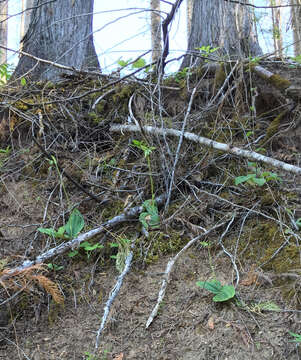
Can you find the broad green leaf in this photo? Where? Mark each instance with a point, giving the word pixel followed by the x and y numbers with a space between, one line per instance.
pixel 23 81
pixel 75 223
pixel 226 292
pixel 213 286
pixel 123 63
pixel 50 232
pixel 72 253
pixel 93 247
pixel 139 64
pixel 259 181
pixel 242 179
pixel 61 231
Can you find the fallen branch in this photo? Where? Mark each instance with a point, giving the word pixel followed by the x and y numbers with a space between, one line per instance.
pixel 251 155
pixel 167 271
pixel 62 248
pixel 114 292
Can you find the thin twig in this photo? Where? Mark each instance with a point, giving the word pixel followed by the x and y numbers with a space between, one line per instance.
pixel 168 270
pixel 179 148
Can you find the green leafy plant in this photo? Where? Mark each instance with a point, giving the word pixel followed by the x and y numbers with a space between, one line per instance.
pixel 87 247
pixel 257 177
pixel 55 267
pixel 23 81
pixel 123 245
pixel 70 230
pixel 207 50
pixel 297 337
pixel 5 73
pixel 222 292
pixel 182 74
pixel 6 151
pixel 147 150
pixel 150 218
pixel 138 64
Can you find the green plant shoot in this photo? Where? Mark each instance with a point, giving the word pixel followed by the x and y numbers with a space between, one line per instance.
pixel 70 230
pixel 222 292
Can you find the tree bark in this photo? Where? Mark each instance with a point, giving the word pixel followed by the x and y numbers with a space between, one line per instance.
pixel 59 31
pixel 222 24
pixel 25 17
pixel 156 30
pixel 189 10
pixel 3 31
pixel 296 25
pixel 277 32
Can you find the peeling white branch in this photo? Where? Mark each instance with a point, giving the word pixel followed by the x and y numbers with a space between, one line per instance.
pixel 62 248
pixel 251 155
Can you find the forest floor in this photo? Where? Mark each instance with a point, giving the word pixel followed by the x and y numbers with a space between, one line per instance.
pixel 256 248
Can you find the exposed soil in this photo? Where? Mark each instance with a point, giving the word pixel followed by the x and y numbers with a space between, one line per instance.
pixel 261 246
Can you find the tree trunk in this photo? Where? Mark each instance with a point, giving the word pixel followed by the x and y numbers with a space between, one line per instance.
pixel 189 10
pixel 59 31
pixel 296 24
pixel 25 17
pixel 3 31
pixel 277 33
pixel 156 30
pixel 222 24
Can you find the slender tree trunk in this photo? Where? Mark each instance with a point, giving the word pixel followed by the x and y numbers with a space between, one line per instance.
pixel 296 25
pixel 3 30
pixel 222 24
pixel 277 33
pixel 25 17
pixel 189 10
pixel 156 30
pixel 59 31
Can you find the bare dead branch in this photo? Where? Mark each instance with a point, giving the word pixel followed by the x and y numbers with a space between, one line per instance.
pixel 251 155
pixel 168 269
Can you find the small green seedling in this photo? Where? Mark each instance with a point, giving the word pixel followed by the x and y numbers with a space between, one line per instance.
pixel 150 218
pixel 257 177
pixel 297 337
pixel 147 150
pixel 182 74
pixel 207 50
pixel 70 230
pixel 5 151
pixel 123 246
pixel 54 267
pixel 88 248
pixel 222 292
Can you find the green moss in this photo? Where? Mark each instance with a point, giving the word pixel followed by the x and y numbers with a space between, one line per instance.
pixel 279 82
pixel 159 244
pixel 273 127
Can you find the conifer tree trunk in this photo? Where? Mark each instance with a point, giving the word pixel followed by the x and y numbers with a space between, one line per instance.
pixel 59 31
pixel 3 30
pixel 189 10
pixel 296 25
pixel 222 24
pixel 156 36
